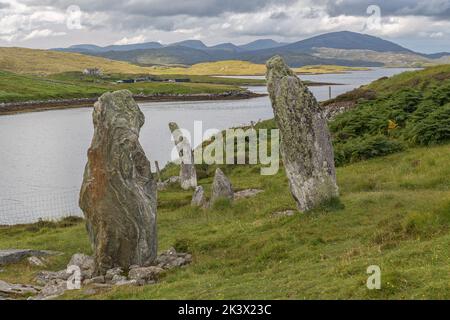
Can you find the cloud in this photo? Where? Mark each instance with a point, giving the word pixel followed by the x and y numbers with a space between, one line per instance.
pixel 132 40
pixel 42 33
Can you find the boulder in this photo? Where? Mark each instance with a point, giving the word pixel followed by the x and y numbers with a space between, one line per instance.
pixel 188 174
pixel 118 194
pixel 84 262
pixel 221 187
pixel 12 290
pixel 171 259
pixel 198 199
pixel 44 277
pixel 306 146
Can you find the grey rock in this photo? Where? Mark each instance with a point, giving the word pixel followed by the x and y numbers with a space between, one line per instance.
pixel 85 263
pixel 221 187
pixel 118 194
pixel 44 277
pixel 51 290
pixel 305 139
pixel 11 290
pixel 97 280
pixel 172 259
pixel 125 282
pixel 35 261
pixel 145 274
pixel 188 174
pixel 198 199
pixel 111 273
pixel 10 256
pixel 286 213
pixel 118 279
pixel 247 193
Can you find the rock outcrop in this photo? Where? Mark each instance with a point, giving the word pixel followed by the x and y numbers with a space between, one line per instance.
pixel 305 139
pixel 118 194
pixel 10 256
pixel 221 187
pixel 188 175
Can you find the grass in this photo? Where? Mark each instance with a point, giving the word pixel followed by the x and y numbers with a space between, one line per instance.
pixel 244 68
pixel 394 212
pixel 44 62
pixel 15 87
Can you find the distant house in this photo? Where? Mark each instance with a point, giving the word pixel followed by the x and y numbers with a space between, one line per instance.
pixel 92 72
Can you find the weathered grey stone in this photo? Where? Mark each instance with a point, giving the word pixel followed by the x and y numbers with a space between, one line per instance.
pixel 44 277
pixel 111 273
pixel 35 261
pixel 10 256
pixel 51 290
pixel 145 274
pixel 10 289
pixel 305 139
pixel 84 262
pixel 99 279
pixel 171 259
pixel 286 213
pixel 198 199
pixel 247 193
pixel 118 194
pixel 221 187
pixel 188 174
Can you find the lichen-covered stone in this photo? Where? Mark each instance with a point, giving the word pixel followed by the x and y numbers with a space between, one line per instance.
pixel 198 198
pixel 188 174
pixel 118 194
pixel 305 145
pixel 221 187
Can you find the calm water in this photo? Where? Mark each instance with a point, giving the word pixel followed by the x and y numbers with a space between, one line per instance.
pixel 43 154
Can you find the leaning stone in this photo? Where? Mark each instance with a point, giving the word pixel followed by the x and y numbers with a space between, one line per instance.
pixel 306 145
pixel 221 187
pixel 146 273
pixel 198 199
pixel 188 174
pixel 118 194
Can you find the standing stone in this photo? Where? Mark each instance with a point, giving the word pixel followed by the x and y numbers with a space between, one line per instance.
pixel 118 194
pixel 188 175
pixel 305 139
pixel 158 171
pixel 198 199
pixel 221 187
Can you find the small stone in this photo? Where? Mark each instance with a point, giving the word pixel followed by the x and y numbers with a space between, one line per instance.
pixel 84 262
pixel 44 277
pixel 221 187
pixel 145 273
pixel 171 259
pixel 35 262
pixel 99 279
pixel 53 289
pixel 111 273
pixel 118 279
pixel 198 199
pixel 126 282
pixel 10 289
pixel 10 256
pixel 286 213
pixel 247 193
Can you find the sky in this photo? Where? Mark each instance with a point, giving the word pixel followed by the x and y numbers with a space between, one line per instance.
pixel 421 25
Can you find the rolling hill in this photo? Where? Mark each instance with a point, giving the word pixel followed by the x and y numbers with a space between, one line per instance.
pixel 33 61
pixel 337 48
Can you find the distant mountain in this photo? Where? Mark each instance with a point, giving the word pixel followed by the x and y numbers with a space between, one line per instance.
pixel 193 44
pixel 438 55
pixel 226 46
pixel 261 44
pixel 90 48
pixel 342 48
pixel 346 40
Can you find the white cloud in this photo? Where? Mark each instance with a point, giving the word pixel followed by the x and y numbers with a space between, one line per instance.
pixel 132 40
pixel 42 33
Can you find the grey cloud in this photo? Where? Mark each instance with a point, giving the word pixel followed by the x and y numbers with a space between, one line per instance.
pixel 430 8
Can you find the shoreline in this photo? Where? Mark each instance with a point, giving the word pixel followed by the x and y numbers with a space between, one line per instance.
pixel 12 108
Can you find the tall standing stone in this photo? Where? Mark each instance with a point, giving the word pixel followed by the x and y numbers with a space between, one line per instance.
pixel 221 187
pixel 188 174
pixel 305 145
pixel 118 194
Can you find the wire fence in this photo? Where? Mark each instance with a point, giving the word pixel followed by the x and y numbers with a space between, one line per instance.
pixel 31 207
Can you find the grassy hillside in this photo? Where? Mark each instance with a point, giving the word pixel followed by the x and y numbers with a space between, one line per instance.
pixel 32 61
pixel 392 114
pixel 14 87
pixel 396 215
pixel 236 68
